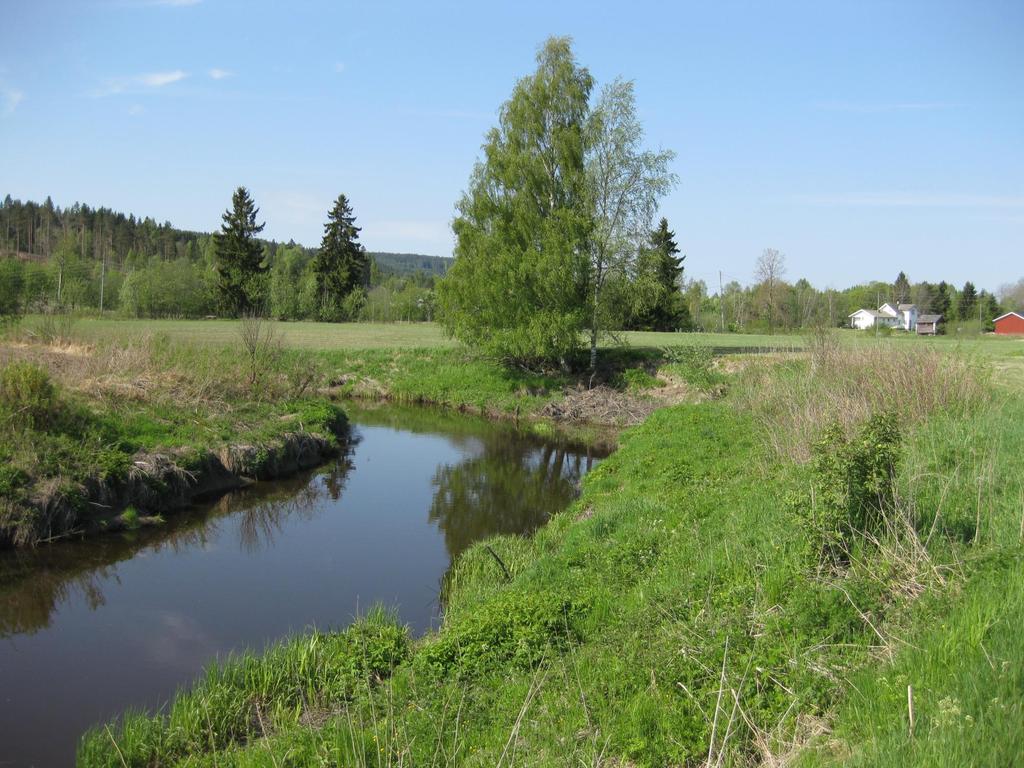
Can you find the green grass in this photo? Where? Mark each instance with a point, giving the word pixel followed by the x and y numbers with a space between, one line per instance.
pixel 682 585
pixel 61 448
pixel 332 336
pixel 1006 354
pixel 960 649
pixel 300 335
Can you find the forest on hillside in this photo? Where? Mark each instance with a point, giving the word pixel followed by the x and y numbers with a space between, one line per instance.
pixel 84 258
pixel 96 259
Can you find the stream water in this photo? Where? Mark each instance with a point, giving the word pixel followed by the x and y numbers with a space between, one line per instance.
pixel 91 628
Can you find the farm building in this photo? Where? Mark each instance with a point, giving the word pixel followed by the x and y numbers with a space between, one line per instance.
pixel 928 325
pixel 1010 323
pixel 900 316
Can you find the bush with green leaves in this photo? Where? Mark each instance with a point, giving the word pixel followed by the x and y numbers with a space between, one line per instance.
pixel 855 483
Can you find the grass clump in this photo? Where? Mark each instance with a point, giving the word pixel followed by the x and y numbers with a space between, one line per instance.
pixel 253 696
pixel 855 485
pixel 795 400
pixel 27 396
pixel 695 365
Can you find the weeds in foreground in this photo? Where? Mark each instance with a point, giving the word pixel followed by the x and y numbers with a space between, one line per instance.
pixel 846 385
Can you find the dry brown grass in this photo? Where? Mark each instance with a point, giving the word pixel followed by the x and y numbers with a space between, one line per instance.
pixel 153 370
pixel 794 400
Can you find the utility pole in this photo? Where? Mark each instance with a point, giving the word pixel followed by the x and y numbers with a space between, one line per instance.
pixel 103 274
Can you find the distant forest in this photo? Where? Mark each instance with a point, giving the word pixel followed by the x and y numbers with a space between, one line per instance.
pixel 86 259
pixel 97 258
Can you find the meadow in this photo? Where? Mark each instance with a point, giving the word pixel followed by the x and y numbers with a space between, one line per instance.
pixel 759 574
pixel 759 578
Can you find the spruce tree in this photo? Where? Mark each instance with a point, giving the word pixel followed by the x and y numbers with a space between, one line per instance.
pixel 669 312
pixel 239 256
pixel 968 301
pixel 940 301
pixel 342 266
pixel 901 288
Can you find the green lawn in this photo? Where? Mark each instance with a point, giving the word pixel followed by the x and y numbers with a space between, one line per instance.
pixel 310 335
pixel 301 335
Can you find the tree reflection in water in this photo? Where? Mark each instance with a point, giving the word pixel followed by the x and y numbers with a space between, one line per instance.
pixel 513 486
pixel 34 582
pixel 508 483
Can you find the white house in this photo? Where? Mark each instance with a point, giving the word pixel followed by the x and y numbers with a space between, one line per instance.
pixel 902 316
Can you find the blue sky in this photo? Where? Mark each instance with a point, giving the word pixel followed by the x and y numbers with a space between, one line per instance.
pixel 860 138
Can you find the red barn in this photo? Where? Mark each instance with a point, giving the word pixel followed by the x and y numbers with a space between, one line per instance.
pixel 1011 322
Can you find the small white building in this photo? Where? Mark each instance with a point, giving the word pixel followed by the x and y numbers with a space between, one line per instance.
pixel 902 316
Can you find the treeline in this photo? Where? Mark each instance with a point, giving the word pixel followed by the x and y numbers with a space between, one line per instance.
pixel 83 258
pixel 774 303
pixel 86 259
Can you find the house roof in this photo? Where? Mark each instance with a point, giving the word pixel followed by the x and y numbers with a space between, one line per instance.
pixel 871 312
pixel 906 307
pixel 928 318
pixel 1015 314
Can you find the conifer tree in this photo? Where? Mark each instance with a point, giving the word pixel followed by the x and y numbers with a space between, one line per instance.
pixel 901 288
pixel 968 301
pixel 669 312
pixel 940 301
pixel 239 256
pixel 342 266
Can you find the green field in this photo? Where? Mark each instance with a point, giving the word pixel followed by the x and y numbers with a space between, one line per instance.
pixel 1004 354
pixel 310 335
pixel 330 336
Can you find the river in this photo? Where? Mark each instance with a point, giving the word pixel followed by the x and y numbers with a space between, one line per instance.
pixel 91 628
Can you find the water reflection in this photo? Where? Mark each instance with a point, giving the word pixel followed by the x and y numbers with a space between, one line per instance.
pixel 511 487
pixel 91 628
pixel 35 583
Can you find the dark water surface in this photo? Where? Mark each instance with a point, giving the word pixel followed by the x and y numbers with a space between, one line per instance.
pixel 90 628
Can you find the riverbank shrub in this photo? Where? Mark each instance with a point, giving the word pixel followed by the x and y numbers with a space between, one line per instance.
pixel 854 483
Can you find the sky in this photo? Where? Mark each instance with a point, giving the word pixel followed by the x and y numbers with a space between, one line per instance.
pixel 859 138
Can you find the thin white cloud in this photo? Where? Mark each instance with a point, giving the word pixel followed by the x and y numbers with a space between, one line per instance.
pixel 918 200
pixel 139 82
pixel 136 109
pixel 339 67
pixel 871 108
pixel 12 97
pixel 160 79
pixel 219 74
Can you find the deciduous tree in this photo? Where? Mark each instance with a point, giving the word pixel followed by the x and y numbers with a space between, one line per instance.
pixel 771 266
pixel 624 183
pixel 518 287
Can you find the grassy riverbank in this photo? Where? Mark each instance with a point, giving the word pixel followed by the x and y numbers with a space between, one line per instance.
pixel 729 589
pixel 112 435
